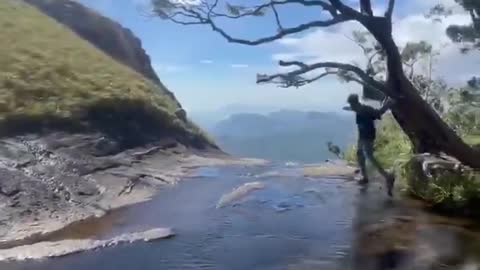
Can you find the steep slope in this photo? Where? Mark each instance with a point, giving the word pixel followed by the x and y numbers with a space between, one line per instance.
pixel 52 79
pixel 102 32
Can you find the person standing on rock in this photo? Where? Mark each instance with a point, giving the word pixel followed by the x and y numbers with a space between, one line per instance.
pixel 365 120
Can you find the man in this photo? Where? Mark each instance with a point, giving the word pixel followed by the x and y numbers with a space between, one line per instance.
pixel 365 119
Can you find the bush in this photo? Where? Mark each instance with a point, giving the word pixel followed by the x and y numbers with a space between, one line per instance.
pixel 456 192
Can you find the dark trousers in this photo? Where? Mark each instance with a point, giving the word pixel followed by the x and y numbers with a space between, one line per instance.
pixel 365 149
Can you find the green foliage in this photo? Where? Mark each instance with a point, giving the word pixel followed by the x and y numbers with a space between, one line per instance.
pixel 234 9
pixel 467 34
pixel 48 75
pixel 392 145
pixel 447 190
pixel 464 111
pixel 433 91
pixel 350 154
pixel 465 120
pixel 414 50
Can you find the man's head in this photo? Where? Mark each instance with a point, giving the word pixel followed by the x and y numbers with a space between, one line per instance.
pixel 354 101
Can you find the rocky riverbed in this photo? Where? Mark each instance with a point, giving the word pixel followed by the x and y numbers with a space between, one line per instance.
pixel 50 181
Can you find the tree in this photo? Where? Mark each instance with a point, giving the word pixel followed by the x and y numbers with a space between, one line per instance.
pixel 412 54
pixel 468 35
pixel 464 108
pixel 374 67
pixel 425 128
pixel 464 103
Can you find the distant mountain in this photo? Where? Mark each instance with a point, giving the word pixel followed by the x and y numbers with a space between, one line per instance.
pixel 247 125
pixel 285 135
pixel 208 119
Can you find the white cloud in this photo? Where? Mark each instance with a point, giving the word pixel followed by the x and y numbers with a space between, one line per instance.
pixel 327 44
pixel 417 27
pixel 186 2
pixel 169 68
pixel 239 66
pixel 206 61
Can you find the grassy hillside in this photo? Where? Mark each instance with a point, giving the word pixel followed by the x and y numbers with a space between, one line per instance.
pixel 51 78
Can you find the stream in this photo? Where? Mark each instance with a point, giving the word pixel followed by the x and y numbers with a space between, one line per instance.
pixel 293 222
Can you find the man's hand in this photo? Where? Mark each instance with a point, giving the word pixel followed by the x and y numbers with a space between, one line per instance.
pixel 387 105
pixel 388 102
pixel 347 108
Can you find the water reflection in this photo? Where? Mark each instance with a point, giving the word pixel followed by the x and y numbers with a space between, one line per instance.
pixel 399 234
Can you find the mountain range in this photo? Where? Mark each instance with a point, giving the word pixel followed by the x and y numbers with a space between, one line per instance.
pixel 284 135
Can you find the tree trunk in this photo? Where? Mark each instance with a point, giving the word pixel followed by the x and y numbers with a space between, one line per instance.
pixel 429 133
pixel 425 128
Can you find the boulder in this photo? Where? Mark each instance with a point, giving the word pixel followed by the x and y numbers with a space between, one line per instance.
pixel 181 114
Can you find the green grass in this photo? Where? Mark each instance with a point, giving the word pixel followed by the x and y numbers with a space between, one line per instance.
pixel 392 146
pixel 473 139
pixel 48 75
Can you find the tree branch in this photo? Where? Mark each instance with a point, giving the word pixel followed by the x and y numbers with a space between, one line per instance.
pixel 280 34
pixel 389 12
pixel 290 78
pixel 277 18
pixel 255 10
pixel 347 11
pixel 287 80
pixel 370 59
pixel 366 7
pixel 204 13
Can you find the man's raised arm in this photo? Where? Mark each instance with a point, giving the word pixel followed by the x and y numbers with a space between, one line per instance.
pixel 387 105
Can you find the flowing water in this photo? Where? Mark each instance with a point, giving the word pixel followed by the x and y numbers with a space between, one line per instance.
pixel 292 222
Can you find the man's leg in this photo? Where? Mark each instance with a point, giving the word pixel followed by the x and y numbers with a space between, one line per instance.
pixel 369 148
pixel 362 160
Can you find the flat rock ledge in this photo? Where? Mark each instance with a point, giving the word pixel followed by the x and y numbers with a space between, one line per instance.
pixel 336 168
pixel 43 250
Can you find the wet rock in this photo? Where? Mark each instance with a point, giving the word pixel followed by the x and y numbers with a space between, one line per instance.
pixel 386 245
pixel 105 147
pixel 239 193
pixel 10 191
pixel 67 247
pixel 330 169
pixel 384 237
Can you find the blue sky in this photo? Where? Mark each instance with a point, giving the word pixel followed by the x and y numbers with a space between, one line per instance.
pixel 207 73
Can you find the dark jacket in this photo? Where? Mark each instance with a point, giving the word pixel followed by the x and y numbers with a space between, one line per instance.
pixel 365 119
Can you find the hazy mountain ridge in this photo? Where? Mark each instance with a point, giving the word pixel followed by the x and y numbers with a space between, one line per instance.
pixel 284 135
